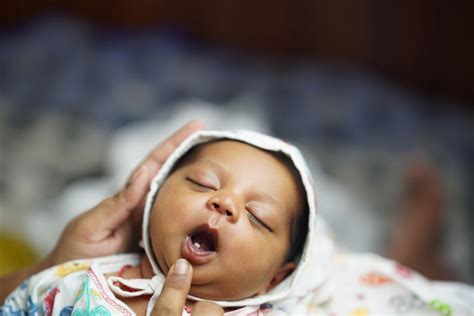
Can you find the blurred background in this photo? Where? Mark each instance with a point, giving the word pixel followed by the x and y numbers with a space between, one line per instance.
pixel 377 94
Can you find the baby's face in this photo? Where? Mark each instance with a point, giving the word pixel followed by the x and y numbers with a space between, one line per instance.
pixel 228 211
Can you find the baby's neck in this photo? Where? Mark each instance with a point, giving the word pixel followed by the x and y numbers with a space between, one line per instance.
pixel 142 271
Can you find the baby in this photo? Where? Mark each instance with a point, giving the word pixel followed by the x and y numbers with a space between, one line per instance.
pixel 240 207
pixel 234 204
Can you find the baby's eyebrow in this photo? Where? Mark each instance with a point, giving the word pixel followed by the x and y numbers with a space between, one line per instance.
pixel 267 196
pixel 213 164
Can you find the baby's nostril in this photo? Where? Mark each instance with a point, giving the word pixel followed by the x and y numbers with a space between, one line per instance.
pixel 228 213
pixel 215 205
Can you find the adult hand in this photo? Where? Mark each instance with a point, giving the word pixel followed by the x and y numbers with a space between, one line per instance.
pixel 113 225
pixel 175 290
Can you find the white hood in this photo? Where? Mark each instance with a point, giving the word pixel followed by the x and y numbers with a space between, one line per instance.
pixel 264 142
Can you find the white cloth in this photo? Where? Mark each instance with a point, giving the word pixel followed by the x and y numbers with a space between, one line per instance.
pixel 264 142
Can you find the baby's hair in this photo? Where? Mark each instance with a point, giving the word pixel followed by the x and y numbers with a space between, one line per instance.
pixel 299 225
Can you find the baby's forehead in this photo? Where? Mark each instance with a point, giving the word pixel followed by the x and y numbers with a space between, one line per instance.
pixel 209 149
pixel 206 150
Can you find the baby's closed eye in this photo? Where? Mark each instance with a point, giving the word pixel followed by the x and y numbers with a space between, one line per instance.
pixel 201 185
pixel 257 221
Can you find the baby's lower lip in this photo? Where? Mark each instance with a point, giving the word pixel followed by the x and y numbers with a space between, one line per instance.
pixel 194 255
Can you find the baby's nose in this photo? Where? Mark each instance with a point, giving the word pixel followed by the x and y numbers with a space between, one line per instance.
pixel 226 206
pixel 218 208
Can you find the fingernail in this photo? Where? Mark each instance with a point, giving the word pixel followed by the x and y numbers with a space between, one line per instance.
pixel 181 266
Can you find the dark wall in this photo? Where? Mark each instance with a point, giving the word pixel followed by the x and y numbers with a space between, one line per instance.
pixel 425 45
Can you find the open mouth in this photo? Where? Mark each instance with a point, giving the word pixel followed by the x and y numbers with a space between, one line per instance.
pixel 204 239
pixel 201 245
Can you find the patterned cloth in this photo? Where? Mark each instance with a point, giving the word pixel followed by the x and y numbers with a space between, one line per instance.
pixel 355 285
pixel 78 288
pixel 362 285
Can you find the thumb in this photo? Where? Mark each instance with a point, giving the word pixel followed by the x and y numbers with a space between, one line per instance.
pixel 175 290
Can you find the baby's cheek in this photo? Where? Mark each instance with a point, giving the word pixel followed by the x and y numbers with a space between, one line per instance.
pixel 274 253
pixel 250 251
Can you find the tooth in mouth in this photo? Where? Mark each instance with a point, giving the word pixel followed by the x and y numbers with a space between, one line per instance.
pixel 197 245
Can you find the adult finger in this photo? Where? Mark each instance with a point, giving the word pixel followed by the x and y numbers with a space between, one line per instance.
pixel 158 155
pixel 205 308
pixel 175 290
pixel 113 211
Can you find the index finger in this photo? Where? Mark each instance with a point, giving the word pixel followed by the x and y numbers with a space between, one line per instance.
pixel 159 154
pixel 162 151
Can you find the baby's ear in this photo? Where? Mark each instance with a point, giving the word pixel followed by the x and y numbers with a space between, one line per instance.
pixel 280 276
